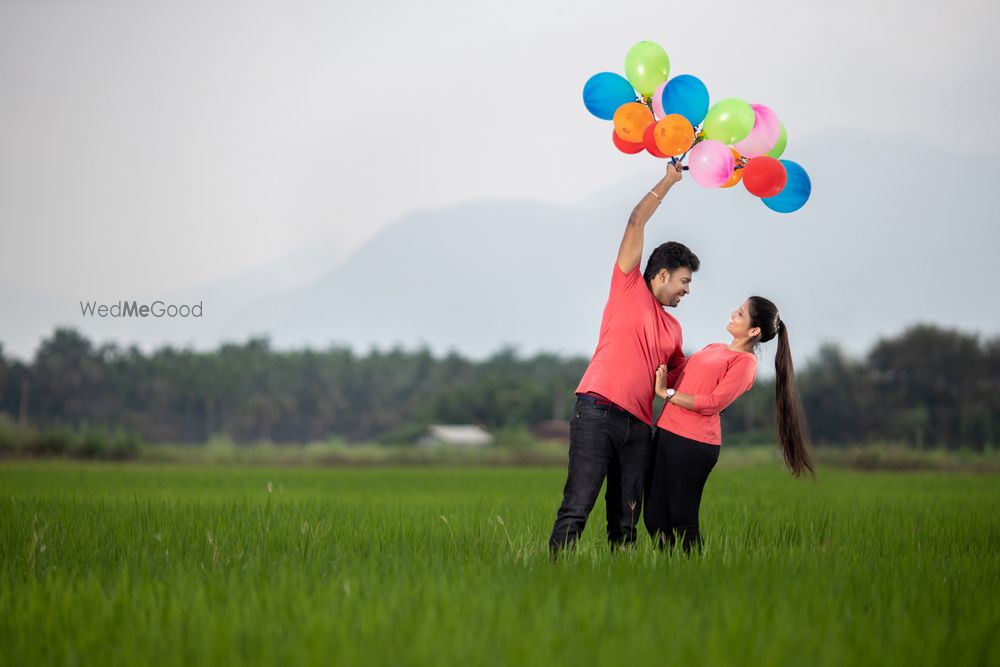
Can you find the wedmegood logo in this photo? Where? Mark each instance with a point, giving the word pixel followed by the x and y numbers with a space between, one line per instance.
pixel 135 309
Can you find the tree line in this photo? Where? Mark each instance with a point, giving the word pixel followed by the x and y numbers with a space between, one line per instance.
pixel 928 386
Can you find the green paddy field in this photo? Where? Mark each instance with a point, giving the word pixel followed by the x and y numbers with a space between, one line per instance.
pixel 142 564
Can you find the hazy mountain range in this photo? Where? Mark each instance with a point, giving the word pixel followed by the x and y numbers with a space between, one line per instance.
pixel 893 234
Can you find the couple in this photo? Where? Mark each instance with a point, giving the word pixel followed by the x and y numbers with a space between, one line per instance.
pixel 639 353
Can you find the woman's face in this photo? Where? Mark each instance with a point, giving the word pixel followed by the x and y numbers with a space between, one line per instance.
pixel 739 322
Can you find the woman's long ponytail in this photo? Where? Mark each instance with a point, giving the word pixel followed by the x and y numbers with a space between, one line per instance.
pixel 790 418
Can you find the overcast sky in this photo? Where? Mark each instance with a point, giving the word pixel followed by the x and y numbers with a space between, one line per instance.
pixel 147 147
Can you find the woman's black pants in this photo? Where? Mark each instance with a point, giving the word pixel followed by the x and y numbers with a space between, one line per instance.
pixel 673 488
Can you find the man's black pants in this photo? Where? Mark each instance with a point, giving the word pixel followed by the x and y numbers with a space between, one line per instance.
pixel 604 441
pixel 679 470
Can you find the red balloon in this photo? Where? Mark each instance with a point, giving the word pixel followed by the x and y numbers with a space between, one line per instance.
pixel 764 176
pixel 649 139
pixel 626 147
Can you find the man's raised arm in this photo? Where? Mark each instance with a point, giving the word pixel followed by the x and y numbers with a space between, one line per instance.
pixel 630 252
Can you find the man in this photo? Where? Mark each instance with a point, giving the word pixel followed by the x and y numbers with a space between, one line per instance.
pixel 610 432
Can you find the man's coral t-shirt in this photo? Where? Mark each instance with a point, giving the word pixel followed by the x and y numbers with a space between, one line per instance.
pixel 637 335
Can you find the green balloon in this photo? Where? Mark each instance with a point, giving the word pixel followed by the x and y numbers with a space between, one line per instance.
pixel 779 147
pixel 646 67
pixel 729 120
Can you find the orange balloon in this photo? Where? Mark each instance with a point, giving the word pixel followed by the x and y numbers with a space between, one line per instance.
pixel 737 173
pixel 630 120
pixel 673 134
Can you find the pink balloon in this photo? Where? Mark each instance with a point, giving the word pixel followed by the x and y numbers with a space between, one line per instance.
pixel 764 135
pixel 658 103
pixel 711 163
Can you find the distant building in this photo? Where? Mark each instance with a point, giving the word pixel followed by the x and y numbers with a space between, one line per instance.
pixel 457 435
pixel 555 430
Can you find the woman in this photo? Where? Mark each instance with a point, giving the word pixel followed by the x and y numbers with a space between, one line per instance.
pixel 686 445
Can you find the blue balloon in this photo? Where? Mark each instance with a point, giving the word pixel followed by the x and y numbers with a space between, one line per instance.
pixel 605 92
pixel 688 96
pixel 796 192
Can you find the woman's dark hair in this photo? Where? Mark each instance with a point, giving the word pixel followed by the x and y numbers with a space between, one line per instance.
pixel 670 256
pixel 790 418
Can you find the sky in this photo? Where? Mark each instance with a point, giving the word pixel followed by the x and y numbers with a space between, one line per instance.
pixel 153 147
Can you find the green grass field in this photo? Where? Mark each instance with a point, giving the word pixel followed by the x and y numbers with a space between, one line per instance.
pixel 133 564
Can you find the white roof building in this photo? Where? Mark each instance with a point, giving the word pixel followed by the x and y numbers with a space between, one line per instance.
pixel 457 435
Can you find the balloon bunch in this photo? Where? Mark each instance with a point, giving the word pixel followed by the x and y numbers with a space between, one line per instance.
pixel 728 142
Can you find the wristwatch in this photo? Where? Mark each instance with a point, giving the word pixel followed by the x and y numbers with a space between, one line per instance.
pixel 670 394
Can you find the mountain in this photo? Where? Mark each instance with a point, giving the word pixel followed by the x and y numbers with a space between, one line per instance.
pixel 893 234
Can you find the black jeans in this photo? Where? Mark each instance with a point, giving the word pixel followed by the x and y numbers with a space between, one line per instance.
pixel 673 491
pixel 604 441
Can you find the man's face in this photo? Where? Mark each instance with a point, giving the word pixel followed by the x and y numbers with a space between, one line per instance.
pixel 669 288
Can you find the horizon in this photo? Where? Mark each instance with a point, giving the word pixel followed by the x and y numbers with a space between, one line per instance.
pixel 409 349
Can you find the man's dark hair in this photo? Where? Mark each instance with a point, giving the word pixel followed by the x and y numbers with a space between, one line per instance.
pixel 670 256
